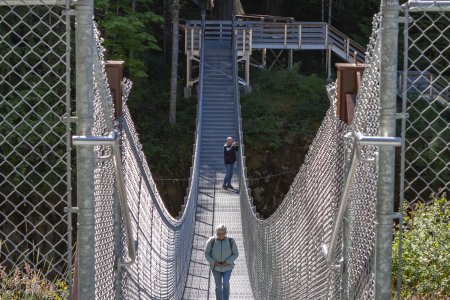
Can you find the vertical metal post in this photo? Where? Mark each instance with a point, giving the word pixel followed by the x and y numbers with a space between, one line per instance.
pixel 386 164
pixel 290 58
pixel 299 36
pixel 404 90
pixel 247 69
pixel 84 36
pixel 188 68
pixel 264 55
pixel 328 65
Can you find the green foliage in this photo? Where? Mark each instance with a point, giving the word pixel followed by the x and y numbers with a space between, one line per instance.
pixel 280 119
pixel 29 284
pixel 425 251
pixel 127 32
pixel 427 135
pixel 283 104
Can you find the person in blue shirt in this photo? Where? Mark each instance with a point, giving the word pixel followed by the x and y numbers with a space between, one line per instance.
pixel 221 252
pixel 229 154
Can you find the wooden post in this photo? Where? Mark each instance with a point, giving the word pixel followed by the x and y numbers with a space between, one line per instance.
pixel 349 79
pixel 114 73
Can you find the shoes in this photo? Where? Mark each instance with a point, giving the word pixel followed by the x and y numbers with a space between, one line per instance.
pixel 225 186
pixel 230 186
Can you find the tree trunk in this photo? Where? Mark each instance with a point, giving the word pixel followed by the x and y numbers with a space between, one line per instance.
pixel 237 8
pixel 224 9
pixel 174 70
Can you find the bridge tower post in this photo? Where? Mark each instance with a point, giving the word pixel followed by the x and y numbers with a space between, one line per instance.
pixel 386 165
pixel 84 53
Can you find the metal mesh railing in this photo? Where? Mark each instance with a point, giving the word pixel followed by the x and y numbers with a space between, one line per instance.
pixel 289 242
pixel 286 248
pixel 422 239
pixel 360 227
pixel 164 243
pixel 284 253
pixel 34 147
pixel 107 216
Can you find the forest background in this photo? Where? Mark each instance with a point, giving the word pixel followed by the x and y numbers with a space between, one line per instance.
pixel 279 118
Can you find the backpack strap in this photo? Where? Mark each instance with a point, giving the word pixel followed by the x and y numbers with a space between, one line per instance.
pixel 214 240
pixel 212 245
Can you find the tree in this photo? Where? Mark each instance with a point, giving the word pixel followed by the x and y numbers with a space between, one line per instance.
pixel 174 70
pixel 224 9
pixel 126 29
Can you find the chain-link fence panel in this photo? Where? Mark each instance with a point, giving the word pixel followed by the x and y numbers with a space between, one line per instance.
pixel 35 259
pixel 422 267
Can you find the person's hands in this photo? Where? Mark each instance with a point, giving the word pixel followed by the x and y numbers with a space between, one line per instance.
pixel 217 263
pixel 224 263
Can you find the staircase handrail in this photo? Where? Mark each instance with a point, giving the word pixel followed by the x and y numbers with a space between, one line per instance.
pixel 347 42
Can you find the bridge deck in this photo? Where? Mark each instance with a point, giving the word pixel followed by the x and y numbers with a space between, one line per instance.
pixel 216 205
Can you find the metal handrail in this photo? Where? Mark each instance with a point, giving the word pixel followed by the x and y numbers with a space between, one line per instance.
pixel 360 140
pixel 113 140
pixel 332 36
pixel 236 84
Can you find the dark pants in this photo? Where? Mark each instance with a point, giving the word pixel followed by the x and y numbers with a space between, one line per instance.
pixel 229 174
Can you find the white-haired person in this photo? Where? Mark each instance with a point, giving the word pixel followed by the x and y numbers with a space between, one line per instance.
pixel 229 155
pixel 221 252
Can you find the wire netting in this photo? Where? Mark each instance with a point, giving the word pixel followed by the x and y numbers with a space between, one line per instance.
pixel 359 261
pixel 286 248
pixel 163 243
pixel 34 151
pixel 422 237
pixel 284 252
pixel 107 246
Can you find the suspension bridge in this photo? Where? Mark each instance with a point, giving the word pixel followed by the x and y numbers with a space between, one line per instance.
pixel 329 239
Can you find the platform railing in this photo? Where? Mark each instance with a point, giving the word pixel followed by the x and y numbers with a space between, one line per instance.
pixel 278 35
